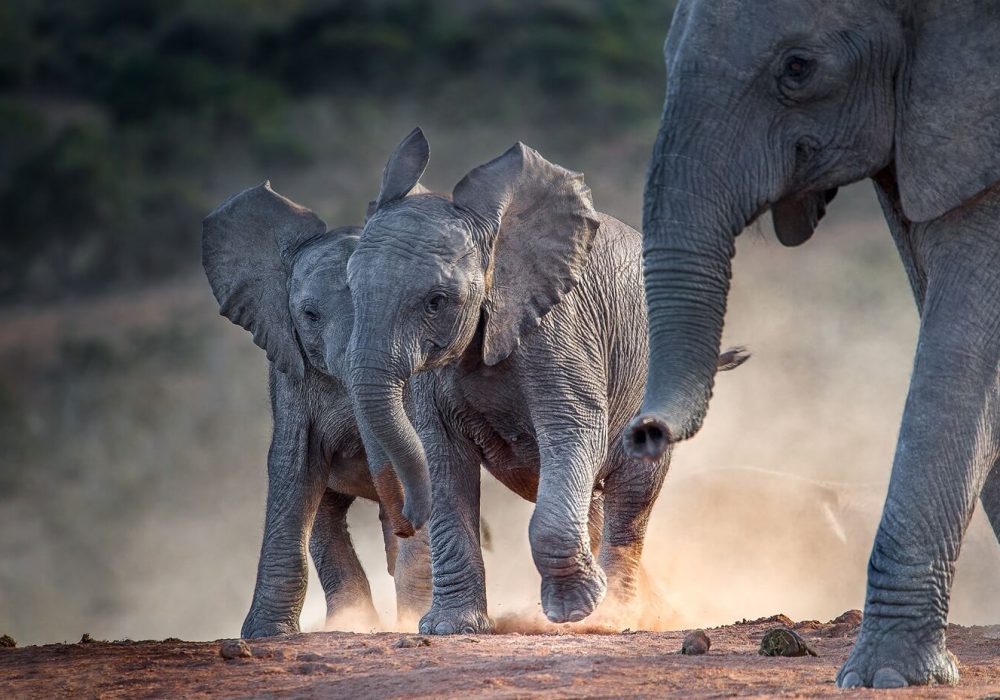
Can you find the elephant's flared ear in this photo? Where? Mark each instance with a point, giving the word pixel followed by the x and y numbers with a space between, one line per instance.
pixel 948 129
pixel 406 164
pixel 543 224
pixel 795 217
pixel 246 246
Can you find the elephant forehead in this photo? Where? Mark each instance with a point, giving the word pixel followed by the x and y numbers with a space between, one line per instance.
pixel 323 264
pixel 703 30
pixel 425 226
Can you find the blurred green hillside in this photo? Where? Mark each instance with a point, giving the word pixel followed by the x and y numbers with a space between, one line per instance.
pixel 120 118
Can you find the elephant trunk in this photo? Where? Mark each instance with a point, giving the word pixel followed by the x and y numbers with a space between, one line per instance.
pixel 382 419
pixel 690 222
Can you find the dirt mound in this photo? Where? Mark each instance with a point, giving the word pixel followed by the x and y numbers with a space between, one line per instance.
pixel 385 665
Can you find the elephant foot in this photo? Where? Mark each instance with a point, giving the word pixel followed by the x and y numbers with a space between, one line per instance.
pixel 257 628
pixel 884 659
pixel 572 598
pixel 455 621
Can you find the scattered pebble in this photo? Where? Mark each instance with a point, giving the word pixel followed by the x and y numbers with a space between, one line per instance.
pixel 311 668
pixel 696 643
pixel 412 642
pixel 782 641
pixel 310 656
pixel 234 649
pixel 7 642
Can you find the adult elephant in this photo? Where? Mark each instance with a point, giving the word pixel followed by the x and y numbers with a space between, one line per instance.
pixel 773 105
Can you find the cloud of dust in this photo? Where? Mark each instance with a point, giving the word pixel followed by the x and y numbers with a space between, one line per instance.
pixel 144 518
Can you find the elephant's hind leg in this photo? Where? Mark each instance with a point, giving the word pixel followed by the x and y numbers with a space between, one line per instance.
pixel 348 595
pixel 629 494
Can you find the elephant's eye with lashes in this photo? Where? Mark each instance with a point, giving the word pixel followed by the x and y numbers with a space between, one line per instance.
pixel 797 68
pixel 434 303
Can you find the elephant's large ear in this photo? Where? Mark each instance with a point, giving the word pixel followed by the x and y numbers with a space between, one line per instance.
pixel 406 164
pixel 542 222
pixel 795 217
pixel 246 246
pixel 948 129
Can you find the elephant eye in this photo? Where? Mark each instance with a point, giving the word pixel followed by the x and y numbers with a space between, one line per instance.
pixel 797 68
pixel 434 303
pixel 310 315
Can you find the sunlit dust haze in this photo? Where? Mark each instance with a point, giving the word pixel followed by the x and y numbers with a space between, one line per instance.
pixel 135 428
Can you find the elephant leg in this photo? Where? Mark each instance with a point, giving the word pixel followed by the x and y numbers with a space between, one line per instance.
pixel 572 582
pixel 458 599
pixel 296 481
pixel 947 445
pixel 990 498
pixel 413 579
pixel 595 522
pixel 348 595
pixel 629 494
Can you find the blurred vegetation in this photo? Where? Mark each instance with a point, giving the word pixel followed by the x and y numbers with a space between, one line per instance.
pixel 116 114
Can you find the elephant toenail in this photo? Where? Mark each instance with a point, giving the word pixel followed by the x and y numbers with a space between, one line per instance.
pixel 851 680
pixel 888 678
pixel 444 628
pixel 577 615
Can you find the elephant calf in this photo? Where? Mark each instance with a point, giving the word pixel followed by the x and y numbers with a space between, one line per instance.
pixel 277 272
pixel 526 307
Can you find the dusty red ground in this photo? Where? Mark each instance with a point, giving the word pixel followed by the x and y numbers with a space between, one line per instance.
pixel 342 665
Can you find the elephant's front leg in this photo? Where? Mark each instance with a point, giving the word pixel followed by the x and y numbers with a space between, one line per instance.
pixel 458 604
pixel 629 495
pixel 947 444
pixel 296 481
pixel 572 582
pixel 348 595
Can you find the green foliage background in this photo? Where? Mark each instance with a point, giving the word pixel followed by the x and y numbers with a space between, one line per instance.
pixel 118 118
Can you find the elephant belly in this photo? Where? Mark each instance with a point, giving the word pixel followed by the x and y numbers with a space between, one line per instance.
pixel 350 476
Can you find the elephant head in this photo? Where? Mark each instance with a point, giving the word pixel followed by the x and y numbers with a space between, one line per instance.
pixel 773 110
pixel 277 272
pixel 436 278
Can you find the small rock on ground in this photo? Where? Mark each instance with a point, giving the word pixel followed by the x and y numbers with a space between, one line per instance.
pixel 782 641
pixel 234 649
pixel 412 642
pixel 696 643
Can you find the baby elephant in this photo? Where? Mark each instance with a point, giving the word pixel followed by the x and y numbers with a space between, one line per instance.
pixel 527 307
pixel 277 272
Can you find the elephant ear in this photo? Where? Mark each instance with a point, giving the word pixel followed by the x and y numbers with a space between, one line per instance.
pixel 795 217
pixel 247 244
pixel 948 129
pixel 542 224
pixel 406 164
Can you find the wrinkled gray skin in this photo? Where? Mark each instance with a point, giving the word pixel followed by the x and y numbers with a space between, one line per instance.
pixel 773 105
pixel 280 274
pixel 525 306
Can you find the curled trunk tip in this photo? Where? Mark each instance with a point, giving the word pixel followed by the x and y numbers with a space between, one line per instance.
pixel 647 437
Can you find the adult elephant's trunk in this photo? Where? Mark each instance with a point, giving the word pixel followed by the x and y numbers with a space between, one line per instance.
pixel 378 400
pixel 690 221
